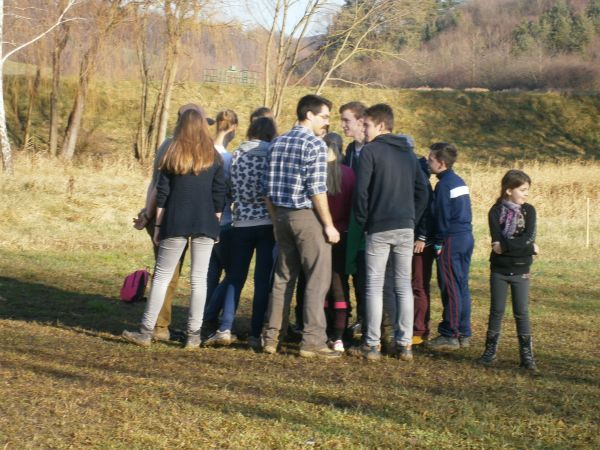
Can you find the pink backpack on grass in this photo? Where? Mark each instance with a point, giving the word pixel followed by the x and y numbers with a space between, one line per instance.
pixel 134 286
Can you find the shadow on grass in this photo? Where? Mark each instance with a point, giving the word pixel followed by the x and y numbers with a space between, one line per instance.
pixel 34 302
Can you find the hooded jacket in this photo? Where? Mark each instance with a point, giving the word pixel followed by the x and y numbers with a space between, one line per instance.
pixel 391 189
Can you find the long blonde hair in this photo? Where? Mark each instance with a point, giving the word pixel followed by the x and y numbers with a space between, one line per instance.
pixel 192 148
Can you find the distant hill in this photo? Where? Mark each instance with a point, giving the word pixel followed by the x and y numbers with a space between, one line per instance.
pixel 492 126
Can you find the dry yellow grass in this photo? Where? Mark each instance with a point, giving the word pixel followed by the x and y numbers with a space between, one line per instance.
pixel 50 205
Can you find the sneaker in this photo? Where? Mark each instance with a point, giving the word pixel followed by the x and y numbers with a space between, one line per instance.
pixel 220 338
pixel 444 343
pixel 404 352
pixel 138 338
pixel 324 352
pixel 255 343
pixel 464 341
pixel 372 353
pixel 161 334
pixel 417 340
pixel 192 341
pixel 269 347
pixel 337 346
pixel 356 327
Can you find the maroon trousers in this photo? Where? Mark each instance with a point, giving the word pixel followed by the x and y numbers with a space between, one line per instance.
pixel 422 265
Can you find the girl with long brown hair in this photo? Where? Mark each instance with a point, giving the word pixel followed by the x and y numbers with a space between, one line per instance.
pixel 191 193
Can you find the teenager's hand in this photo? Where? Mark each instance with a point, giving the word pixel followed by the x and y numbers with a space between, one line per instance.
pixel 141 220
pixel 156 239
pixel 332 234
pixel 419 246
pixel 536 249
pixel 497 248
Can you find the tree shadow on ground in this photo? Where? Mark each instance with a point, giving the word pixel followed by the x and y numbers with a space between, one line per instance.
pixel 35 302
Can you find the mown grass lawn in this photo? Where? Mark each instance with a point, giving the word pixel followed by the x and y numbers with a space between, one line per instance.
pixel 67 379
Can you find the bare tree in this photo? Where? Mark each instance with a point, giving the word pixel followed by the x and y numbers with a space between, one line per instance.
pixel 285 44
pixel 61 36
pixel 107 15
pixel 21 12
pixel 141 27
pixel 353 34
pixel 180 16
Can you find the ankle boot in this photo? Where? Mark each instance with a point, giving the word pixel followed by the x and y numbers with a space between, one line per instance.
pixel 491 346
pixel 526 351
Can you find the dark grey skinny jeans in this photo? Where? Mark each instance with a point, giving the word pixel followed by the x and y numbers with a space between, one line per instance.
pixel 519 287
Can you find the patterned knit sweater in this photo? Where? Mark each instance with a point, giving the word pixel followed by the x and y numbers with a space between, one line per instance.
pixel 248 169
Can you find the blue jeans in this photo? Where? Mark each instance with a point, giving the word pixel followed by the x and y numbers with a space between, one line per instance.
pixel 399 245
pixel 245 240
pixel 219 259
pixel 219 262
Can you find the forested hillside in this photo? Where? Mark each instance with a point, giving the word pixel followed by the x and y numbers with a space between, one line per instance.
pixel 104 79
pixel 495 44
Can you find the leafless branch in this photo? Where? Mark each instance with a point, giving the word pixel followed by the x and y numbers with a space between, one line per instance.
pixel 59 21
pixel 356 83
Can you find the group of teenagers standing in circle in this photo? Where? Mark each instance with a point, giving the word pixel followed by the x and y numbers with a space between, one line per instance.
pixel 313 217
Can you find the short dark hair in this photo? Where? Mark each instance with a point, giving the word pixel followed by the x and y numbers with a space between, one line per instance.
pixel 444 152
pixel 312 103
pixel 357 108
pixel 263 129
pixel 261 111
pixel 379 113
pixel 511 180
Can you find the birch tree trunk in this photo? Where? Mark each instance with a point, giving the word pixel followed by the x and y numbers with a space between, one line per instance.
pixel 7 165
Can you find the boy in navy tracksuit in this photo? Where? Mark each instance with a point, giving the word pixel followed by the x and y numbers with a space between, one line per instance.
pixel 453 241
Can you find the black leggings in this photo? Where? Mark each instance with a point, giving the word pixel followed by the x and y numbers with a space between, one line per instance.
pixel 519 287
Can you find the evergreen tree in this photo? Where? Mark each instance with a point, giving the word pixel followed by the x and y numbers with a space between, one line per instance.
pixel 559 30
pixel 593 13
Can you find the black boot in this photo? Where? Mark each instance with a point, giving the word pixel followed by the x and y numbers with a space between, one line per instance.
pixel 491 346
pixel 526 351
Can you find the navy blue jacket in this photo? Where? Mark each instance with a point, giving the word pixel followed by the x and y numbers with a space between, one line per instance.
pixel 452 206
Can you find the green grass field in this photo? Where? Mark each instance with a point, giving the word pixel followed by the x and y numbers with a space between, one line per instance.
pixel 67 380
